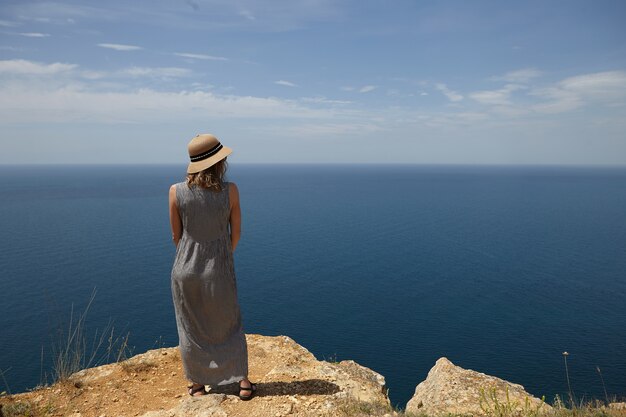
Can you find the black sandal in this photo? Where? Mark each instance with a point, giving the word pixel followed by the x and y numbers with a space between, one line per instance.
pixel 193 390
pixel 252 389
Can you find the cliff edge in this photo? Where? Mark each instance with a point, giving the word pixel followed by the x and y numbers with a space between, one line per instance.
pixel 290 380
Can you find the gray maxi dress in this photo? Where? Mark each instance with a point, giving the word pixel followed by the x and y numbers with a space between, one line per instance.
pixel 212 344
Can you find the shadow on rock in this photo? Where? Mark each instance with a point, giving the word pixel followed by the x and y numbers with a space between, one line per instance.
pixel 265 389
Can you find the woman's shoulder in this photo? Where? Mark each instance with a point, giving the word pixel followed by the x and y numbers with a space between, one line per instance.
pixel 178 188
pixel 230 186
pixel 173 187
pixel 233 192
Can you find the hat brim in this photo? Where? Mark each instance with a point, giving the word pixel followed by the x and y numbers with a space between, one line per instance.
pixel 198 166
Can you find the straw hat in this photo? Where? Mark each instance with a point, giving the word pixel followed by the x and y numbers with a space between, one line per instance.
pixel 204 151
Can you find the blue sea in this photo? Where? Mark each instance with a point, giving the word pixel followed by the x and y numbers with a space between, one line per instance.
pixel 499 269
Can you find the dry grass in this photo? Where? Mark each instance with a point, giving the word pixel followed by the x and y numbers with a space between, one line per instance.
pixel 353 408
pixel 71 351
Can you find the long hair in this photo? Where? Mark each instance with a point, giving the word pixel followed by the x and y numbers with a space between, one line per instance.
pixel 211 178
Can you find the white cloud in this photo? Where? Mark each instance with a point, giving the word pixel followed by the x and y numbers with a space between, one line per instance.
pixel 34 34
pixel 423 93
pixel 496 97
pixel 347 88
pixel 556 99
pixel 285 83
pixel 119 47
pixel 23 67
pixel 156 72
pixel 523 75
pixel 94 75
pixel 367 88
pixel 601 85
pixel 247 14
pixel 200 56
pixel 451 95
pixel 213 14
pixel 8 24
pixel 327 129
pixel 607 88
pixel 73 102
pixel 323 100
pixel 202 86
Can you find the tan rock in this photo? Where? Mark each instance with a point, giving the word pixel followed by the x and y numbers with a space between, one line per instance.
pixel 290 382
pixel 203 406
pixel 451 389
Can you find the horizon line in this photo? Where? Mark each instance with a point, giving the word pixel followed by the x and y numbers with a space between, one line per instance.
pixel 430 164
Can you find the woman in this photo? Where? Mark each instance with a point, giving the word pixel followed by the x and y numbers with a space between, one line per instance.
pixel 206 224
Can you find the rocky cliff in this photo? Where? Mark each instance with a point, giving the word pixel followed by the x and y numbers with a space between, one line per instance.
pixel 451 389
pixel 291 382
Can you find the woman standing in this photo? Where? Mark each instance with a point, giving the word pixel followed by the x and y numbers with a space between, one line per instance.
pixel 206 224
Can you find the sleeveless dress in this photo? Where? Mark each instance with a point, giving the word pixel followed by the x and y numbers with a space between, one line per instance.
pixel 212 344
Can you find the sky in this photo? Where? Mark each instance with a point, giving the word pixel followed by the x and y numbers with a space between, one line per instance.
pixel 314 81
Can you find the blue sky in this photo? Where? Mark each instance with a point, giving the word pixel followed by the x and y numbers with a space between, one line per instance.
pixel 453 82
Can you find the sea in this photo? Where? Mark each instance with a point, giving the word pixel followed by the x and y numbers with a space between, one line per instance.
pixel 501 269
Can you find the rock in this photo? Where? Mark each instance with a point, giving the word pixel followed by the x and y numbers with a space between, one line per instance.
pixel 90 375
pixel 291 382
pixel 202 406
pixel 617 406
pixel 451 389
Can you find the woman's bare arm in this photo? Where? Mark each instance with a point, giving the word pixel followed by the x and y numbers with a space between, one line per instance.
pixel 235 215
pixel 175 221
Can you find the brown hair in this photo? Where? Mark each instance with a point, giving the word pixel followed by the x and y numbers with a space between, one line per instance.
pixel 211 178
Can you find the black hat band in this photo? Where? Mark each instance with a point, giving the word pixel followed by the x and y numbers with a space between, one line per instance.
pixel 207 154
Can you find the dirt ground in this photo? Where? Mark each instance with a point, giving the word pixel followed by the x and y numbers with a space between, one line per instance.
pixel 290 381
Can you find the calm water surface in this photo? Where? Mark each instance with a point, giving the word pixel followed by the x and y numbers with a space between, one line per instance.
pixel 500 269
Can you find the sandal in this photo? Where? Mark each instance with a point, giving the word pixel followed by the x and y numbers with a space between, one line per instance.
pixel 193 391
pixel 252 389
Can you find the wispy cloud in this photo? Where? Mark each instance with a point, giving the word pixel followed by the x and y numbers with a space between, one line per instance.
pixel 555 100
pixel 73 103
pixel 247 14
pixel 119 47
pixel 367 88
pixel 167 72
pixel 327 128
pixel 451 95
pixel 496 97
pixel 23 67
pixel 523 75
pixel 285 83
pixel 574 92
pixel 347 88
pixel 200 56
pixel 600 85
pixel 84 95
pixel 323 100
pixel 515 99
pixel 34 34
pixel 8 24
